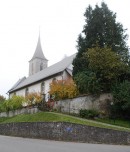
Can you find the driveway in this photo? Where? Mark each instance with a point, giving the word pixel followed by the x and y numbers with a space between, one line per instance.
pixel 16 144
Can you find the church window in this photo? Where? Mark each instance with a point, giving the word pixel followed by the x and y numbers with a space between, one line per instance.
pixel 26 91
pixel 43 87
pixel 41 66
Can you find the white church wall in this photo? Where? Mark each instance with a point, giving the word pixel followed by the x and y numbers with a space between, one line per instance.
pixel 11 95
pixel 66 75
pixel 35 88
pixel 37 63
pixel 34 65
pixel 20 92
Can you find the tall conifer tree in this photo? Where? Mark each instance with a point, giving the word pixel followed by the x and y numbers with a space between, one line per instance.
pixel 101 27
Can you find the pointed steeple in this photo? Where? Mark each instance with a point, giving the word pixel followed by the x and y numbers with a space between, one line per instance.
pixel 38 61
pixel 38 52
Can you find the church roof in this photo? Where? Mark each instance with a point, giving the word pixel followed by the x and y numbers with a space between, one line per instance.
pixel 50 71
pixel 38 52
pixel 17 83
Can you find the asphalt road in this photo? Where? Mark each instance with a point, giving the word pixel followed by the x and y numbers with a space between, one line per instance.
pixel 15 144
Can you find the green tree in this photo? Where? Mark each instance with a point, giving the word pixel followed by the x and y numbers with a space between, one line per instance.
pixel 87 82
pixel 109 60
pixel 2 98
pixel 107 65
pixel 101 27
pixel 121 95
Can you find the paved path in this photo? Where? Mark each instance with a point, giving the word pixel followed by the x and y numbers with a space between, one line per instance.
pixel 16 144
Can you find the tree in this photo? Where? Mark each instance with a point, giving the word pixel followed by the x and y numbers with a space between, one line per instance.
pixel 121 95
pixel 107 65
pixel 87 82
pixel 2 98
pixel 102 50
pixel 101 27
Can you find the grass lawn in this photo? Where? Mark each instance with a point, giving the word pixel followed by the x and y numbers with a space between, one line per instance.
pixel 58 117
pixel 118 122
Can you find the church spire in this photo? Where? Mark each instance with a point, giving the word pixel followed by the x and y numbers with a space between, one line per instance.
pixel 38 52
pixel 38 61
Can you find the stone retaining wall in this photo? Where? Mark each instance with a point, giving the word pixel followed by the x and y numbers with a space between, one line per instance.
pixel 65 132
pixel 19 111
pixel 83 102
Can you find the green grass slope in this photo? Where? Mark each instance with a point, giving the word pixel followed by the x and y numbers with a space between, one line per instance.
pixel 57 117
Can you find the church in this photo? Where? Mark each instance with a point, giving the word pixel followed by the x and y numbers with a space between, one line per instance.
pixel 40 75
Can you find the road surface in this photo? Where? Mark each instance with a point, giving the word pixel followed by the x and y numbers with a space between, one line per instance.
pixel 16 144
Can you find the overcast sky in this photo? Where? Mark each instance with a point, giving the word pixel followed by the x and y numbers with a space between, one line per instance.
pixel 60 23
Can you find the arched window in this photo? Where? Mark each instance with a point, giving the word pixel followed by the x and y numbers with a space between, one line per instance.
pixel 41 66
pixel 26 92
pixel 43 87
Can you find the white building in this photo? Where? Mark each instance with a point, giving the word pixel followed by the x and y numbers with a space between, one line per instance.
pixel 40 75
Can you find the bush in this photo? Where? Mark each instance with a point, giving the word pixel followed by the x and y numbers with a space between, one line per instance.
pixel 33 98
pixel 16 102
pixel 87 82
pixel 63 89
pixel 2 107
pixel 88 114
pixel 121 95
pixel 12 104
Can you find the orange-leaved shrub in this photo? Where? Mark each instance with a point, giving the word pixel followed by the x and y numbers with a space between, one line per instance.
pixel 33 98
pixel 63 89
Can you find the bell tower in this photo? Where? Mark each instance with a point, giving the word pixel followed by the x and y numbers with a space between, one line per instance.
pixel 38 61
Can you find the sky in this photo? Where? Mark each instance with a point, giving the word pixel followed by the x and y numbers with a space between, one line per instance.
pixel 59 22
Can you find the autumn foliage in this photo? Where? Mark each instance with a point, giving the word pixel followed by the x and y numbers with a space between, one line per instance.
pixel 105 62
pixel 63 89
pixel 33 98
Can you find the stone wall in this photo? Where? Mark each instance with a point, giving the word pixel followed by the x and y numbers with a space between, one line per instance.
pixel 83 102
pixel 19 111
pixel 65 132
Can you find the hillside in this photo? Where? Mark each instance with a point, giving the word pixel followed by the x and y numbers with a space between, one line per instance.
pixel 57 117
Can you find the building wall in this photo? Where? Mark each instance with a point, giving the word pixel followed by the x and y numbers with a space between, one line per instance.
pixel 18 93
pixel 37 87
pixel 34 65
pixel 66 75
